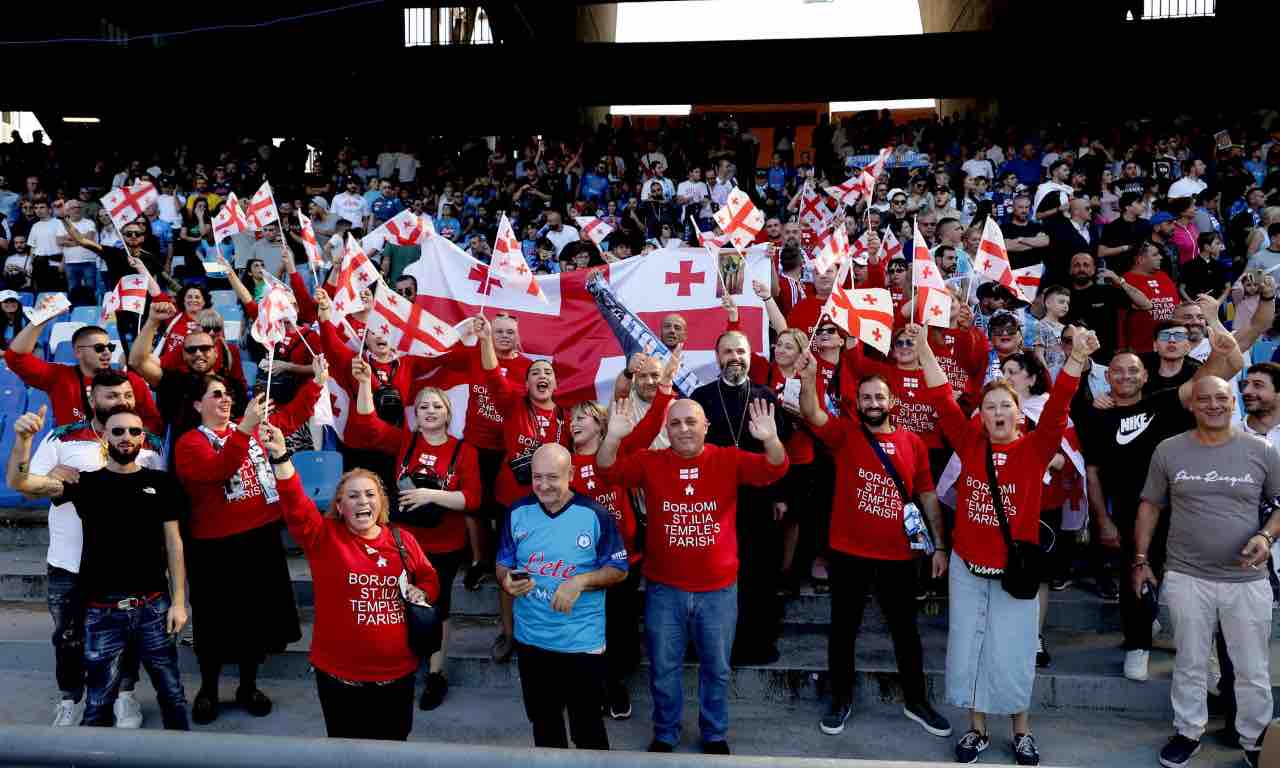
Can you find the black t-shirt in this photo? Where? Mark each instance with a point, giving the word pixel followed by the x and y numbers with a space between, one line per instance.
pixel 1156 382
pixel 1027 258
pixel 1099 306
pixel 1199 276
pixel 1121 232
pixel 1120 442
pixel 123 517
pixel 1138 185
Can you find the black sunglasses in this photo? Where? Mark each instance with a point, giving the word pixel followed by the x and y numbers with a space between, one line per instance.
pixel 99 348
pixel 119 431
pixel 133 233
pixel 195 348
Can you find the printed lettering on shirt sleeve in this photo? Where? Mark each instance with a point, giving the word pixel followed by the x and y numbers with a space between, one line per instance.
pixel 611 551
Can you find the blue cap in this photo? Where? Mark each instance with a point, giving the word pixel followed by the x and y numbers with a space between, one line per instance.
pixel 1161 218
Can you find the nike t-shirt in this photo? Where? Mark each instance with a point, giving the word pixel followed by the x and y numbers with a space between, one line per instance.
pixel 1120 442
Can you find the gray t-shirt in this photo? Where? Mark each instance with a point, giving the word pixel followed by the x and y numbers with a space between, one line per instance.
pixel 1214 493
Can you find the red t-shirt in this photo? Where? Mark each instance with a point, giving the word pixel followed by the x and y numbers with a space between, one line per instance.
pixel 590 481
pixel 226 362
pixel 483 426
pixel 399 373
pixel 866 511
pixel 68 390
pixel 805 315
pixel 800 444
pixel 912 410
pixel 231 485
pixel 1140 325
pixel 963 354
pixel 691 541
pixel 368 432
pixel 360 631
pixel 1020 468
pixel 520 433
pixel 177 332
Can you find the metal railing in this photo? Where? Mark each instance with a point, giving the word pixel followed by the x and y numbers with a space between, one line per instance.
pixel 1178 9
pixel 87 747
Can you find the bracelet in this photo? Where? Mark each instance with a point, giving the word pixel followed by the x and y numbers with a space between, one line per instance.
pixel 281 459
pixel 1141 564
pixel 1271 540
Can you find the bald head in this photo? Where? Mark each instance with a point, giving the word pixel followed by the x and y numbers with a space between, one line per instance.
pixel 1212 403
pixel 686 427
pixel 552 467
pixel 674 330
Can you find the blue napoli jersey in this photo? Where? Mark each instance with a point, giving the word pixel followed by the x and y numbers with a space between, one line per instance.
pixel 580 538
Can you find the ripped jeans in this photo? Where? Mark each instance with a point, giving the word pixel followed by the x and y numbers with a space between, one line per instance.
pixel 66 607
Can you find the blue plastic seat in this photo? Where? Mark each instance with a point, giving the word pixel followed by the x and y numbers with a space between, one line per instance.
pixel 319 472
pixel 223 298
pixel 64 353
pixel 1263 349
pixel 250 372
pixel 13 396
pixel 36 398
pixel 27 299
pixel 231 312
pixel 86 315
pixel 9 498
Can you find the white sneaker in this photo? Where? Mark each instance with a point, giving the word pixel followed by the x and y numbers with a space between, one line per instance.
pixel 66 713
pixel 127 711
pixel 1135 665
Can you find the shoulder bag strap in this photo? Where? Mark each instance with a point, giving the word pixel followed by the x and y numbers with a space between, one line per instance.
pixel 888 464
pixel 453 460
pixel 993 484
pixel 404 556
pixel 408 455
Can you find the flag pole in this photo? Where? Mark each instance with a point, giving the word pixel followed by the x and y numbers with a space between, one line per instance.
pixel 271 364
pixel 365 337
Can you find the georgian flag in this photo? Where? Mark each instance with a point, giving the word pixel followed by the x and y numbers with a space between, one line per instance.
pixel 864 313
pixel 848 193
pixel 125 204
pixel 740 220
pixel 405 228
pixel 930 296
pixel 131 293
pixel 993 257
pixel 354 275
pixel 230 220
pixel 262 208
pixel 593 228
pixel 1026 282
pixel 508 263
pixel 276 312
pixel 407 326
pixel 814 210
pixel 890 246
pixel 309 244
pixel 834 250
pixel 876 167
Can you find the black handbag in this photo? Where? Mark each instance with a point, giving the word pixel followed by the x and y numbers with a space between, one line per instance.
pixel 428 515
pixel 1021 577
pixel 425 629
pixel 522 464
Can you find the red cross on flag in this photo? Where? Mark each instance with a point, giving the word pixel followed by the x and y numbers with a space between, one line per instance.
pixel 262 208
pixel 848 193
pixel 864 313
pixel 813 210
pixel 932 306
pixel 1026 281
pixel 110 305
pixel 709 240
pixel 740 220
pixel 131 292
pixel 993 257
pixel 405 228
pixel 309 244
pixel 354 275
pixel 127 203
pixel 509 265
pixel 407 326
pixel 876 167
pixel 593 228
pixel 230 220
pixel 276 312
pixel 834 250
pixel 890 246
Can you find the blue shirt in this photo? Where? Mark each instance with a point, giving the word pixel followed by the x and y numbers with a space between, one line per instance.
pixel 580 538
pixel 1027 171
pixel 594 188
pixel 385 208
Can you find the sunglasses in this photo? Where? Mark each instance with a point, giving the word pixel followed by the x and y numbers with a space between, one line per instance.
pixel 904 343
pixel 1171 336
pixel 133 431
pixel 197 348
pixel 218 394
pixel 897 269
pixel 99 348
pixel 828 331
pixel 133 233
pixel 211 328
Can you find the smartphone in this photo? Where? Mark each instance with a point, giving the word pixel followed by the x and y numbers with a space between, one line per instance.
pixel 518 575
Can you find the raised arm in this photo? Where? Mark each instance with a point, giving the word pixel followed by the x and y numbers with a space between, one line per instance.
pixel 298 410
pixel 1262 317
pixel 142 359
pixel 300 514
pixel 17 475
pixel 809 408
pixel 242 293
pixel 766 295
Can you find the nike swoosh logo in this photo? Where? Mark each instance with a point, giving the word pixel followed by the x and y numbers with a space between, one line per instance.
pixel 1124 438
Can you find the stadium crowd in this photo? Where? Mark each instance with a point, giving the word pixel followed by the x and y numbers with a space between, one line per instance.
pixel 1125 409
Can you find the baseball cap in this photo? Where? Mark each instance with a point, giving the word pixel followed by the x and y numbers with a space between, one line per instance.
pixel 896 191
pixel 862 260
pixel 1160 218
pixel 9 296
pixel 1003 318
pixel 320 201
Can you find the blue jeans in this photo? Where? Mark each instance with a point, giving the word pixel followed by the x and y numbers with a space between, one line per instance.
pixel 671 617
pixel 66 608
pixel 109 633
pixel 84 276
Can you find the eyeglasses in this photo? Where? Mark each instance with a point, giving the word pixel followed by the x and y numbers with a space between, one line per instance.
pixel 898 202
pixel 119 431
pixel 904 343
pixel 99 348
pixel 828 331
pixel 218 394
pixel 1171 336
pixel 198 348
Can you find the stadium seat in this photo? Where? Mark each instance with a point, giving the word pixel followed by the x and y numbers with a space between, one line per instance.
pixel 231 329
pixel 36 398
pixel 319 472
pixel 62 332
pixel 250 372
pixel 13 397
pixel 9 498
pixel 9 379
pixel 27 299
pixel 223 299
pixel 64 353
pixel 86 315
pixel 1263 349
pixel 230 313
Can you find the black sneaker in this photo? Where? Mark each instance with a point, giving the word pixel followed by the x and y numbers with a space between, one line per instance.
pixel 476 573
pixel 1024 749
pixel 715 747
pixel 927 717
pixel 838 713
pixel 433 691
pixel 1179 751
pixel 1251 757
pixel 971 745
pixel 1042 655
pixel 204 709
pixel 661 746
pixel 619 702
pixel 254 702
pixel 1108 590
pixel 1058 585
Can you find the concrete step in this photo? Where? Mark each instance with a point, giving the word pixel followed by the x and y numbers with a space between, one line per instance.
pixel 1085 673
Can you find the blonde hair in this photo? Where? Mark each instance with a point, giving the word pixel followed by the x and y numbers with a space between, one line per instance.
pixel 1270 215
pixel 384 505
pixel 1003 385
pixel 595 411
pixel 448 404
pixel 796 335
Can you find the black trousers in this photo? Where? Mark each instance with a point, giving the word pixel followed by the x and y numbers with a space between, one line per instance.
pixel 622 627
pixel 554 682
pixel 367 710
pixel 894 584
pixel 1135 614
pixel 759 559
